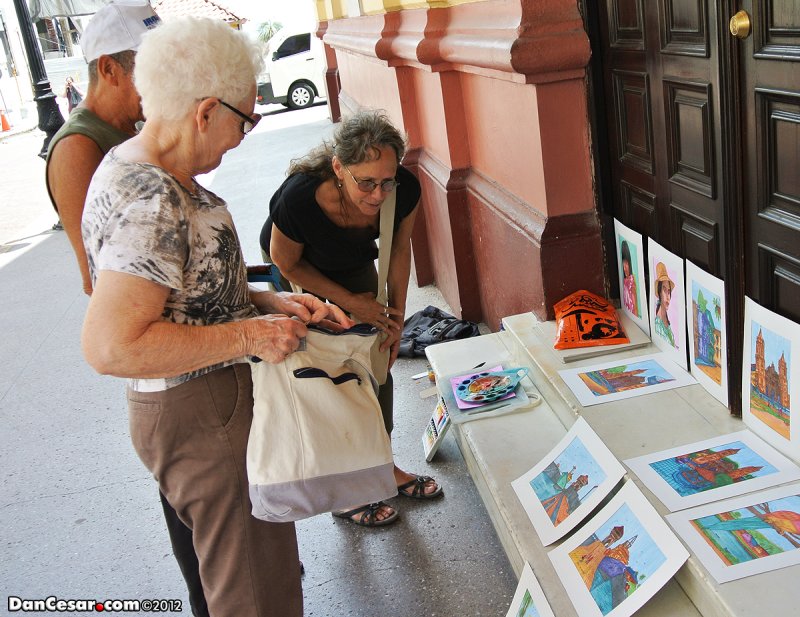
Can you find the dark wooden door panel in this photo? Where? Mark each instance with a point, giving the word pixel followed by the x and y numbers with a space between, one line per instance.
pixel 684 27
pixel 633 120
pixel 697 236
pixel 771 160
pixel 779 279
pixel 663 112
pixel 662 84
pixel 690 141
pixel 626 25
pixel 704 140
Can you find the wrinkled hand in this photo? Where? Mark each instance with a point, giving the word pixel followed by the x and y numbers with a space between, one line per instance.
pixel 365 309
pixel 273 337
pixel 310 309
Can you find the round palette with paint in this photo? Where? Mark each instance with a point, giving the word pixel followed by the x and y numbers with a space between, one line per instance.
pixel 489 386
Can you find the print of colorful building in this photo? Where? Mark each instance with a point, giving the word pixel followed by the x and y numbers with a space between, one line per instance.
pixel 770 383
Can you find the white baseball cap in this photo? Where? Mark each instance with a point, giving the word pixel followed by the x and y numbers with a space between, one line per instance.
pixel 116 27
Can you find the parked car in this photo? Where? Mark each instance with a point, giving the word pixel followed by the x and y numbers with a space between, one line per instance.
pixel 295 70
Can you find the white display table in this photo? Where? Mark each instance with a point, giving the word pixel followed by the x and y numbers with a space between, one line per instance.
pixel 500 449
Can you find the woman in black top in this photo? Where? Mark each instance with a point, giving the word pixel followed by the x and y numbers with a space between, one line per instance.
pixel 321 232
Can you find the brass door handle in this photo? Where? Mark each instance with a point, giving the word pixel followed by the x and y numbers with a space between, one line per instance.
pixel 740 25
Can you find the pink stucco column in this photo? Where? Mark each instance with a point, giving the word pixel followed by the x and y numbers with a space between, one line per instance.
pixel 493 98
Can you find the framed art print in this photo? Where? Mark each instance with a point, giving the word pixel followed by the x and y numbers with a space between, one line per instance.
pixel 632 285
pixel 529 599
pixel 615 380
pixel 770 378
pixel 713 469
pixel 746 535
pixel 705 320
pixel 568 483
pixel 667 302
pixel 620 558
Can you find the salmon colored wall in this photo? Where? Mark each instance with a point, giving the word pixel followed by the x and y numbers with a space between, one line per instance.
pixel 503 125
pixel 564 122
pixel 369 84
pixel 492 95
pixel 432 123
pixel 506 287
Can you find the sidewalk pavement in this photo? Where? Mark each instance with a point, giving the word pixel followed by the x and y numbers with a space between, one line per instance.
pixel 80 514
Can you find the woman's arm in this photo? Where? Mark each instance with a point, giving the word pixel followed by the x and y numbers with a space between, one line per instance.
pixel 399 274
pixel 307 308
pixel 288 256
pixel 123 334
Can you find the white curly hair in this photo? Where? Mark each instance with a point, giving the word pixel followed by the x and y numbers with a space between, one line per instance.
pixel 185 60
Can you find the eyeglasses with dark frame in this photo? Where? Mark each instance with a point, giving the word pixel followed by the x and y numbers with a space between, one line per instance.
pixel 248 122
pixel 367 186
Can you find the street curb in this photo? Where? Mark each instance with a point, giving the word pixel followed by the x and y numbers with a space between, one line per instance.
pixel 7 134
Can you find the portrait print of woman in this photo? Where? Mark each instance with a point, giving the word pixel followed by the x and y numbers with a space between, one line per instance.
pixel 667 303
pixel 663 286
pixel 631 268
pixel 630 298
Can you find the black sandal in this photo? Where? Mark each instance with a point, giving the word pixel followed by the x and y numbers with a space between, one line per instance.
pixel 417 486
pixel 369 514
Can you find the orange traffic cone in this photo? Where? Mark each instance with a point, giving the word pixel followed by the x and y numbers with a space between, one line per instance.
pixel 4 121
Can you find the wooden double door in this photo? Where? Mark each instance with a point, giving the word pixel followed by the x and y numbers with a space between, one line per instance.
pixel 701 144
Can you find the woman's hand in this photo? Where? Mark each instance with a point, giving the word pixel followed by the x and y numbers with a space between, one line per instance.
pixel 307 308
pixel 365 309
pixel 273 337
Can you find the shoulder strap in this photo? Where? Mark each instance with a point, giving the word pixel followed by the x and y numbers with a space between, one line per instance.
pixel 385 245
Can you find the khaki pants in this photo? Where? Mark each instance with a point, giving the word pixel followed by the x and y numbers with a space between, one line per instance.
pixel 193 438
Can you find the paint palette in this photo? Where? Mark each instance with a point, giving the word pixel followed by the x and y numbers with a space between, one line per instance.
pixel 489 386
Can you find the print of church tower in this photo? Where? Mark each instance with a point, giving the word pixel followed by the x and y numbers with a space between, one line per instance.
pixel 769 382
pixel 761 373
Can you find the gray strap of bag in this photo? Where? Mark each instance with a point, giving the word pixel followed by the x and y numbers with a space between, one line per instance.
pixel 385 246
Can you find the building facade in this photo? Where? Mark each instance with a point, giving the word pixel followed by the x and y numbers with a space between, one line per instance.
pixel 533 125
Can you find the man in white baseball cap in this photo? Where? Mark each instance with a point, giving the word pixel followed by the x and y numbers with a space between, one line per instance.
pixel 107 117
pixel 117 27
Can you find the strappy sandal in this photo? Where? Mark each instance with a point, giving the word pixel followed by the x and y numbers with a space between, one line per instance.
pixel 369 515
pixel 416 488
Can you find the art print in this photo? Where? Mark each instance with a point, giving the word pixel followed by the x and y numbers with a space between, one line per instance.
pixel 568 483
pixel 621 379
pixel 708 361
pixel 529 599
pixel 747 535
pixel 632 285
pixel 713 469
pixel 769 377
pixel 618 560
pixel 667 303
pixel 435 430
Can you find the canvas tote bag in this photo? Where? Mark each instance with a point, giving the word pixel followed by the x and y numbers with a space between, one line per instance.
pixel 318 442
pixel 379 360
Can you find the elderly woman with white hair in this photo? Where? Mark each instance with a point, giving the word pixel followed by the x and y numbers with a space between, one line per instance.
pixel 171 309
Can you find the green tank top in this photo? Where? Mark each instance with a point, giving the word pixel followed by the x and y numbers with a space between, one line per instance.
pixel 83 122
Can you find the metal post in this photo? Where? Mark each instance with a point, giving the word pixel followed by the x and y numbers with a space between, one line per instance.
pixel 50 118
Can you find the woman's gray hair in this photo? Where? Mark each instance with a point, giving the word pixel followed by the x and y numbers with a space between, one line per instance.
pixel 358 139
pixel 188 59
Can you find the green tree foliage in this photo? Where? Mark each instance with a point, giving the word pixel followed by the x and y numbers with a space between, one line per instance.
pixel 267 30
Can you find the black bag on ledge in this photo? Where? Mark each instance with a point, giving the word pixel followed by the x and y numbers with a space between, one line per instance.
pixel 430 326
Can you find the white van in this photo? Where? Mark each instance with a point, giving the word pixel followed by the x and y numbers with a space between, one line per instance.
pixel 295 70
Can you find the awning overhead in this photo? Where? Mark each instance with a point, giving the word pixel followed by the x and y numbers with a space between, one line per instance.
pixel 41 9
